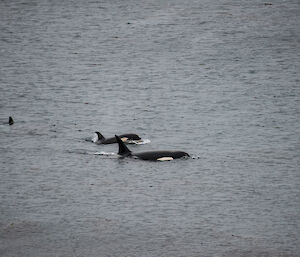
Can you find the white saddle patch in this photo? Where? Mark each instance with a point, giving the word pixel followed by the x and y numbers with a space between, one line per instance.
pixel 165 159
pixel 124 139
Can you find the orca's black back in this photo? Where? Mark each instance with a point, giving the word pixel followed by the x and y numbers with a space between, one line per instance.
pixel 154 155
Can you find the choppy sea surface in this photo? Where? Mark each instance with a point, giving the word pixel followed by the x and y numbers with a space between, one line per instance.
pixel 218 79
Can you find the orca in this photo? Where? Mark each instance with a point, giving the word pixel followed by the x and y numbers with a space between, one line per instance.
pixel 100 139
pixel 10 120
pixel 149 156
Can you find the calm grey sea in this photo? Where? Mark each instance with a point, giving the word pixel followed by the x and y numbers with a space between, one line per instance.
pixel 218 79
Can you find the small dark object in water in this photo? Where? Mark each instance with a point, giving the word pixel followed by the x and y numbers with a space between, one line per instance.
pixel 268 3
pixel 10 120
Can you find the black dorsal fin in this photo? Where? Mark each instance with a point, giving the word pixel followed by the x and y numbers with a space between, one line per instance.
pixel 100 136
pixel 10 120
pixel 123 150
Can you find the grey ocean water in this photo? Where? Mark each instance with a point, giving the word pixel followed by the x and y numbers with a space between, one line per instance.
pixel 216 78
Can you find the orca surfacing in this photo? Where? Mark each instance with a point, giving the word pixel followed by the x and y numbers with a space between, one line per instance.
pixel 100 139
pixel 149 156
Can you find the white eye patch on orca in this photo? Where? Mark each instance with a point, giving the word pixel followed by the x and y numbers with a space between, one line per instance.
pixel 165 159
pixel 124 139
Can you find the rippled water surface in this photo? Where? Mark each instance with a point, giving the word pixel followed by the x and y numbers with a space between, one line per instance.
pixel 217 79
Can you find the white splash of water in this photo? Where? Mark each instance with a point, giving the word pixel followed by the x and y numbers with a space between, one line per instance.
pixel 105 153
pixel 95 138
pixel 138 142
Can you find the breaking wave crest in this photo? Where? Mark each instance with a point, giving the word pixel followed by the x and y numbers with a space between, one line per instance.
pixel 139 142
pixel 105 153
